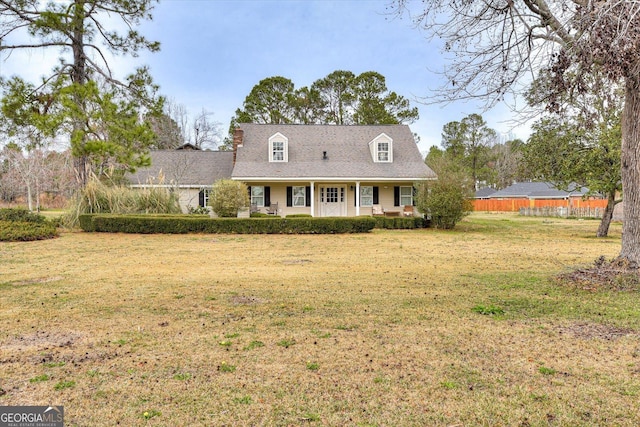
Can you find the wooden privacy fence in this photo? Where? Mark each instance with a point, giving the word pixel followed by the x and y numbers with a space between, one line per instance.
pixel 568 207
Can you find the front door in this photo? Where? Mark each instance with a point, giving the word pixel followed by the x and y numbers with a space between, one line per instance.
pixel 332 201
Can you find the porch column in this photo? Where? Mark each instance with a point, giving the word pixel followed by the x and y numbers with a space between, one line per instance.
pixel 357 198
pixel 313 199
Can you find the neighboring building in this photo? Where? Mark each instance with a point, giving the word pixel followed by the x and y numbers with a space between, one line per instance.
pixel 484 192
pixel 534 195
pixel 322 170
pixel 538 190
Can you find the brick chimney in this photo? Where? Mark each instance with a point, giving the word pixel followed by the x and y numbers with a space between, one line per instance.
pixel 237 142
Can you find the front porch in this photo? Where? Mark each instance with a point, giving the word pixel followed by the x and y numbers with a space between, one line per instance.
pixel 333 199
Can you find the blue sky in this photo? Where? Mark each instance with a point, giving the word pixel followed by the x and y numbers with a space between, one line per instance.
pixel 214 51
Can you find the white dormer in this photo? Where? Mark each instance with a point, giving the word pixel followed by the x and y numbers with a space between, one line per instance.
pixel 382 149
pixel 278 148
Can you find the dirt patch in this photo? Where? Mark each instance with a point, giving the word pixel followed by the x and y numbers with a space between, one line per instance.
pixel 296 261
pixel 246 300
pixel 36 281
pixel 595 331
pixel 617 275
pixel 42 340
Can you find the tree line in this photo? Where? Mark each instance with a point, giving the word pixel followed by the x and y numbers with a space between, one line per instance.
pixel 340 98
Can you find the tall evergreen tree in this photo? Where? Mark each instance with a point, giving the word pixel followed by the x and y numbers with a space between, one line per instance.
pixel 82 31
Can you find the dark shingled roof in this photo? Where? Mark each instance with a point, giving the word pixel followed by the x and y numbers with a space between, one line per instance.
pixel 347 148
pixel 186 168
pixel 485 192
pixel 537 190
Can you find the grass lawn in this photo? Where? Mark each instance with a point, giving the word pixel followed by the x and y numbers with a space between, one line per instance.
pixel 390 328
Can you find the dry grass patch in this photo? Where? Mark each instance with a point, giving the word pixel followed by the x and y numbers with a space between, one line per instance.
pixel 375 329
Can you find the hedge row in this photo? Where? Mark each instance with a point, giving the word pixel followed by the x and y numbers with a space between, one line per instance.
pixel 20 231
pixel 20 214
pixel 401 223
pixel 152 224
pixel 22 225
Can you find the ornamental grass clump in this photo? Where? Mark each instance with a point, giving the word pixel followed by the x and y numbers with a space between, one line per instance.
pixel 100 197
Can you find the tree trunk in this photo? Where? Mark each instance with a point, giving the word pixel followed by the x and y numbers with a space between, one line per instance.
pixel 29 197
pixel 79 77
pixel 603 229
pixel 630 157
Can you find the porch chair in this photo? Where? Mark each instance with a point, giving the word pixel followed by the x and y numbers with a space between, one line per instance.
pixel 272 209
pixel 408 210
pixel 253 208
pixel 376 210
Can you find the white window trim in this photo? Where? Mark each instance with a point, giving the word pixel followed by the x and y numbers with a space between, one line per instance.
pixel 381 152
pixel 366 200
pixel 410 196
pixel 278 137
pixel 304 197
pixel 260 205
pixel 373 146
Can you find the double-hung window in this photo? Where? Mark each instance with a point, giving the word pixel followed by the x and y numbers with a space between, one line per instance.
pixel 383 151
pixel 299 196
pixel 406 196
pixel 366 196
pixel 257 196
pixel 278 151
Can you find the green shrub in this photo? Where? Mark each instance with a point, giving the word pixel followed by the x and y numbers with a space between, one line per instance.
pixel 176 224
pixel 300 216
pixel 445 201
pixel 20 214
pixel 228 197
pixel 20 231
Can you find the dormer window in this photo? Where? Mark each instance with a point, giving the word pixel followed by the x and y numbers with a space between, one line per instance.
pixel 278 148
pixel 278 151
pixel 382 149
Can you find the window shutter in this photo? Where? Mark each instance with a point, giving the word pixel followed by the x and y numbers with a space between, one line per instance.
pixel 249 191
pixel 307 194
pixel 376 196
pixel 415 191
pixel 201 198
pixel 267 196
pixel 396 196
pixel 289 196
